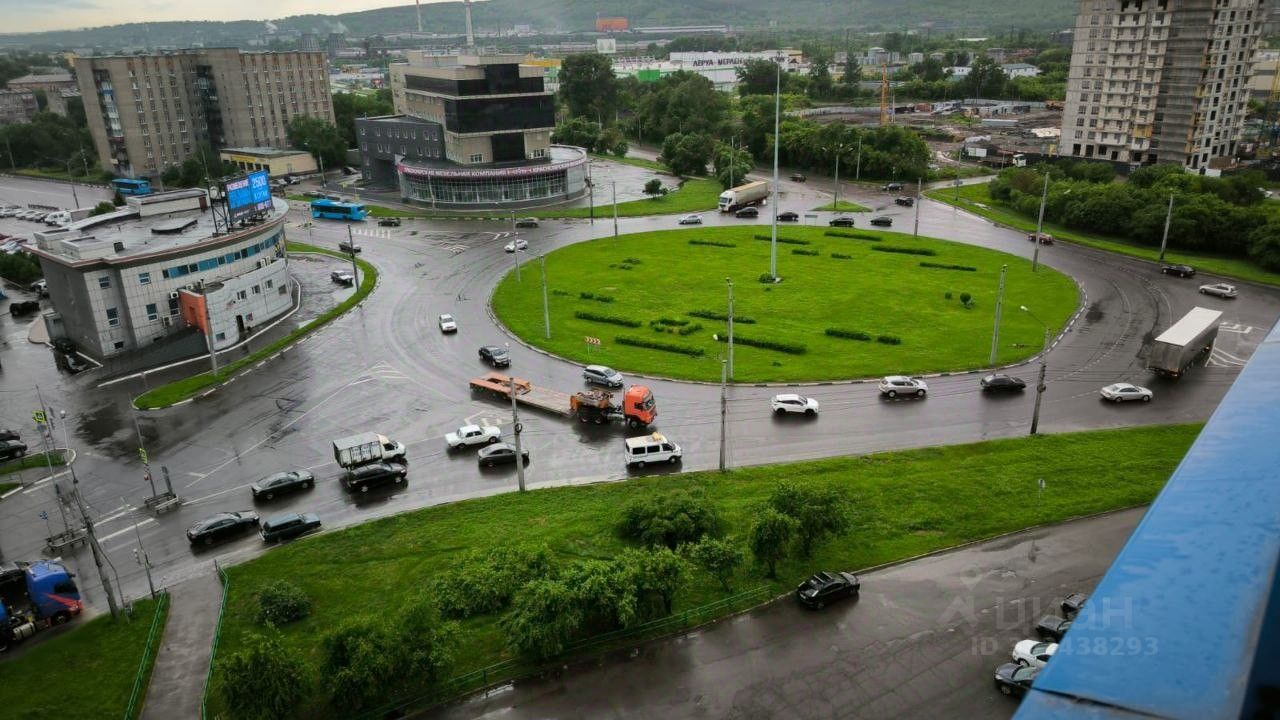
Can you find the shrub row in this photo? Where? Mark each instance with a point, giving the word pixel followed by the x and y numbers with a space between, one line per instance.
pixel 723 317
pixel 484 582
pixel 611 319
pixel 713 243
pixel 941 266
pixel 802 251
pixel 848 334
pixel 680 330
pixel 664 347
pixel 789 348
pixel 784 240
pixel 841 256
pixel 597 298
pixel 632 261
pixel 668 321
pixel 617 266
pixel 853 234
pixel 904 250
pixel 889 339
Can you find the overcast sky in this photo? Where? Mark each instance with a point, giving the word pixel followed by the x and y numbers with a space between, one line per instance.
pixel 30 16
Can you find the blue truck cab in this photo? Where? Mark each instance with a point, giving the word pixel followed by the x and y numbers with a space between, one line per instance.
pixel 34 596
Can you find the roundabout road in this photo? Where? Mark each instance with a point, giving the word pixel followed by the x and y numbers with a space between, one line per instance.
pixel 386 367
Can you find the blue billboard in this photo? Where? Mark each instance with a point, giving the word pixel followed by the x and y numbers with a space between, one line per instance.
pixel 248 195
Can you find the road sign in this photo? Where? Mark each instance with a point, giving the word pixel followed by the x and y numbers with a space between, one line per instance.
pixel 142 453
pixel 592 340
pixel 39 416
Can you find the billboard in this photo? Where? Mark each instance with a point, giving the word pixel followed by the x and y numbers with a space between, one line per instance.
pixel 248 195
pixel 611 24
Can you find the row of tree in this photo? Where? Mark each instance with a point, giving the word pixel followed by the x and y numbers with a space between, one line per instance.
pixel 49 141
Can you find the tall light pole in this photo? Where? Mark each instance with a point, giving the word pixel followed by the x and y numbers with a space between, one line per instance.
pixel 838 149
pixel 1044 356
pixel 995 333
pixel 1168 216
pixel 916 232
pixel 777 112
pixel 613 184
pixel 98 553
pixel 1044 196
pixel 516 427
pixel 857 172
pixel 515 255
pixel 730 360
pixel 724 409
pixel 546 310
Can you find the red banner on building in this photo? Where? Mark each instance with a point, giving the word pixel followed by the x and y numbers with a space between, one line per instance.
pixel 193 310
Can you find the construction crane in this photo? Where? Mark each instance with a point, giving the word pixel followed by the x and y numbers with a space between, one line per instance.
pixel 884 95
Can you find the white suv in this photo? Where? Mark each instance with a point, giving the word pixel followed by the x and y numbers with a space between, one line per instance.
pixel 896 385
pixel 791 403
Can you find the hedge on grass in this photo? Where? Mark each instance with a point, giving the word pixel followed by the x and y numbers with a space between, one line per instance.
pixel 680 330
pixel 783 240
pixel 848 334
pixel 480 583
pixel 904 250
pixel 941 266
pixel 840 256
pixel 889 339
pixel 597 298
pixel 281 603
pixel 668 321
pixel 266 679
pixel 611 319
pixel 723 317
pixel 655 345
pixel 802 251
pixel 671 519
pixel 713 243
pixel 789 348
pixel 853 234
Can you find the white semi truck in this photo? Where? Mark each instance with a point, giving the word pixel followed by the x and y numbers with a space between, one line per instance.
pixel 752 193
pixel 1179 346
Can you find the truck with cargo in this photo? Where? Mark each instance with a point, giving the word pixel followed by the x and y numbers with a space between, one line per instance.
pixel 33 597
pixel 1179 346
pixel 365 448
pixel 637 408
pixel 752 193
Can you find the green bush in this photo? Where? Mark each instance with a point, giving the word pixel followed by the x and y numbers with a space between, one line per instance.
pixel 671 519
pixel 819 512
pixel 940 266
pixel 266 680
pixel 853 234
pixel 946 295
pixel 689 329
pixel 610 319
pixel 597 298
pixel 847 334
pixel 904 250
pixel 783 240
pixel 281 603
pixel 713 243
pixel 723 317
pixel 802 251
pixel 20 267
pixel 564 293
pixel 719 557
pixel 669 321
pixel 889 339
pixel 664 347
pixel 480 583
pixel 631 261
pixel 966 300
pixel 839 256
pixel 789 348
pixel 767 278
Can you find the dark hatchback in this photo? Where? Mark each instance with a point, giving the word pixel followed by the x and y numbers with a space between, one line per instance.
pixel 882 221
pixel 12 449
pixel 748 212
pixel 280 483
pixel 374 474
pixel 842 221
pixel 1183 271
pixel 1015 679
pixel 221 526
pixel 1052 627
pixel 827 587
pixel 495 355
pixel 788 216
pixel 1007 383
pixel 500 454
pixel 287 527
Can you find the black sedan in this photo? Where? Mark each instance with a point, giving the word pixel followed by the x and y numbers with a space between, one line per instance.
pixel 349 248
pixel 827 587
pixel 882 221
pixel 905 201
pixel 280 483
pixel 788 216
pixel 1072 603
pixel 1015 679
pixel 1052 627
pixel 1183 271
pixel 748 212
pixel 25 307
pixel 499 454
pixel 389 222
pixel 1008 383
pixel 221 526
pixel 12 449
pixel 287 527
pixel 7 434
pixel 374 474
pixel 842 221
pixel 495 355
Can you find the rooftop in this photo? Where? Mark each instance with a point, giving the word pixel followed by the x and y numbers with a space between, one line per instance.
pixel 30 79
pixel 266 152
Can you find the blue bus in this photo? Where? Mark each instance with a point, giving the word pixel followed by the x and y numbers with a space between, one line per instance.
pixel 129 186
pixel 338 210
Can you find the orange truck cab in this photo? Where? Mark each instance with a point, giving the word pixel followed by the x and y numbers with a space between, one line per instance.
pixel 639 407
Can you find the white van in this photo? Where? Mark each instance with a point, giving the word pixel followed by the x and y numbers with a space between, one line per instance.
pixel 650 449
pixel 61 217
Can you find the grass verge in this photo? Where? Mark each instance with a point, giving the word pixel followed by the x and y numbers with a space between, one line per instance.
pixel 645 163
pixel 168 394
pixel 88 672
pixel 27 462
pixel 60 175
pixel 904 504
pixel 6 487
pixel 656 276
pixel 843 206
pixel 977 200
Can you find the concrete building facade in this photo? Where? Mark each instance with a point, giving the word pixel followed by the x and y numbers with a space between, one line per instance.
pixel 17 106
pixel 277 163
pixel 148 112
pixel 57 87
pixel 1155 81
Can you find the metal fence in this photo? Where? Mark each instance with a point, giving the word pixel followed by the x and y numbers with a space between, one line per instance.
pixel 217 636
pixel 135 697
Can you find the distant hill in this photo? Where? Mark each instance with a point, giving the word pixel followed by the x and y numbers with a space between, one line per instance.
pixel 579 16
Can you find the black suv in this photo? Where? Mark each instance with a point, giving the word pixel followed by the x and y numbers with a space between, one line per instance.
pixel 495 355
pixel 842 221
pixel 287 527
pixel 826 587
pixel 374 474
pixel 389 222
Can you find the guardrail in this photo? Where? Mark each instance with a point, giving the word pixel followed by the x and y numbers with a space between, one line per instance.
pixel 217 636
pixel 135 697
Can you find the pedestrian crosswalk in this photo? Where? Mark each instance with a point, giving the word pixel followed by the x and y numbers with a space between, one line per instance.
pixel 372 233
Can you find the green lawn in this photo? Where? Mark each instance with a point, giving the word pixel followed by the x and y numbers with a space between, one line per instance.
pixel 844 206
pixel 977 200
pixel 6 487
pixel 635 161
pixel 877 293
pixel 168 394
pixel 86 673
pixel 905 503
pixel 60 175
pixel 32 461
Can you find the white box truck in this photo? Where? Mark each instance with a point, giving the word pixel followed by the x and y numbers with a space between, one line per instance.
pixel 1176 348
pixel 365 448
pixel 752 193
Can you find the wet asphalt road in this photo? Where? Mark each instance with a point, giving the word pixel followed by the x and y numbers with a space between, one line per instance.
pixel 386 367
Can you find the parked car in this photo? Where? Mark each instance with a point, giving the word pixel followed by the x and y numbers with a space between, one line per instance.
pixel 905 200
pixel 882 221
pixel 651 449
pixel 1121 392
pixel 1002 382
pixel 1034 653
pixel 10 449
pixel 1015 680
pixel 517 244
pixel 7 434
pixel 601 375
pixel 691 219
pixel 798 177
pixel 281 483
pixel 221 526
pixel 895 385
pixel 287 527
pixel 890 187
pixel 500 454
pixel 40 288
pixel 342 277
pixel 1044 238
pixel 448 324
pixel 842 221
pixel 349 247
pixel 1222 290
pixel 751 211
pixel 1072 604
pixel 788 216
pixel 9 211
pixel 792 403
pixel 389 222
pixel 1052 628
pixel 527 222
pixel 495 355
pixel 73 362
pixel 374 474
pixel 826 587
pixel 1183 271
pixel 468 435
pixel 25 307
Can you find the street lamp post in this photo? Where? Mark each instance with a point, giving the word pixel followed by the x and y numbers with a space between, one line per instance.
pixel 1044 196
pixel 729 365
pixel 724 410
pixel 516 428
pixel 995 333
pixel 98 553
pixel 1044 358
pixel 773 238
pixel 546 309
pixel 1164 240
pixel 857 173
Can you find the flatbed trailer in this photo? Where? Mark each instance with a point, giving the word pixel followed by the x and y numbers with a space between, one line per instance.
pixel 527 393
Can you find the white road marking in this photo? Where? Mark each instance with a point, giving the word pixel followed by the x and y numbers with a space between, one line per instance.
pixel 1236 328
pixel 148 521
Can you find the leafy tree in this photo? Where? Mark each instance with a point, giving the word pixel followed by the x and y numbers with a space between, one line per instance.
pixel 682 102
pixel 612 141
pixel 577 131
pixel 820 84
pixel 658 574
pixel 770 535
pixel 718 556
pixel 653 188
pixel 670 519
pixel 544 617
pixel 480 583
pixel 985 79
pixel 1264 245
pixel 759 77
pixel 324 141
pixel 349 106
pixel 282 602
pixel 20 267
pixel 102 208
pixel 605 594
pixel 588 87
pixel 732 165
pixel 931 70
pixel 358 663
pixel 265 680
pixel 425 644
pixel 818 511
pixel 687 154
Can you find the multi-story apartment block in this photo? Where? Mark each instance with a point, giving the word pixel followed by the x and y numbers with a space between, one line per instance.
pixel 17 106
pixel 147 112
pixel 1155 81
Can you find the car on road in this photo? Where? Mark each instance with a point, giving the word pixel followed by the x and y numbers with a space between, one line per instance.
pixel 10 449
pixel 1222 290
pixel 1182 271
pixel 889 187
pixel 73 362
pixel 40 288
pixel 1045 238
pixel 389 222
pixel 905 201
pixel 517 244
pixel 1122 392
pixel 692 219
pixel 8 434
pixel 1072 604
pixel 895 385
pixel 882 221
pixel 287 527
pixel 827 587
pixel 1015 680
pixel 527 222
pixel 798 177
pixel 602 375
pixel 349 248
pixel 374 474
pixel 788 216
pixel 9 211
pixel 500 454
pixel 750 211
pixel 1009 383
pixel 792 403
pixel 448 324
pixel 280 483
pixel 495 355
pixel 221 526
pixel 342 277
pixel 1034 653
pixel 650 450
pixel 842 221
pixel 1052 628
pixel 468 435
pixel 26 307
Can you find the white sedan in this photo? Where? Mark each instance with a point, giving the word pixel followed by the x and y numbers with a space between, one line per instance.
pixel 1222 290
pixel 791 403
pixel 1120 392
pixel 896 385
pixel 448 324
pixel 693 219
pixel 473 435
pixel 517 244
pixel 1034 653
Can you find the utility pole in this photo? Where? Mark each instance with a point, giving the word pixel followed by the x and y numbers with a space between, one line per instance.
pixel 916 232
pixel 724 409
pixel 733 156
pixel 351 246
pixel 730 362
pixel 142 453
pixel 613 184
pixel 46 433
pixel 1168 216
pixel 995 334
pixel 1044 196
pixel 208 334
pixel 835 195
pixel 515 255
pixel 546 310
pixel 857 173
pixel 516 428
pixel 777 111
pixel 1044 354
pixel 98 552
pixel 141 557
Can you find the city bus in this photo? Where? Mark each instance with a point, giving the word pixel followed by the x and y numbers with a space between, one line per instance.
pixel 335 210
pixel 129 186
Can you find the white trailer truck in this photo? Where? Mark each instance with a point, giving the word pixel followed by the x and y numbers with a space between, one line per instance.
pixel 1179 346
pixel 752 193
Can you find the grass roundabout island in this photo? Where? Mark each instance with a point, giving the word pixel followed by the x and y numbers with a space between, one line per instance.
pixel 852 303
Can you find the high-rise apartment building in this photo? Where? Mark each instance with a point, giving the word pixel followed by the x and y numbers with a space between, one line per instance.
pixel 1155 81
pixel 148 112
